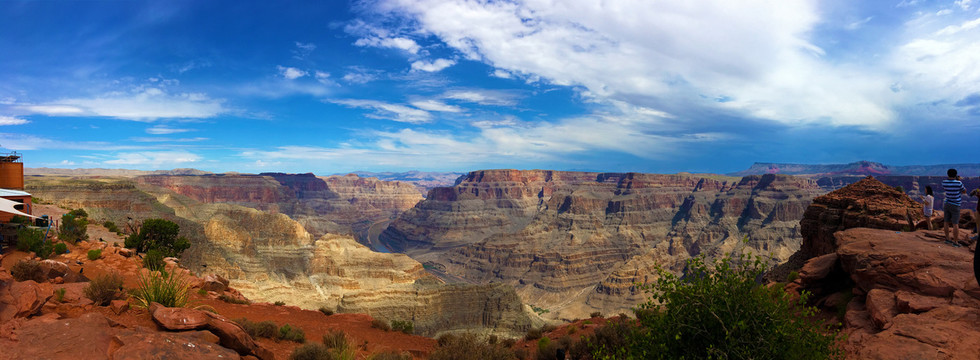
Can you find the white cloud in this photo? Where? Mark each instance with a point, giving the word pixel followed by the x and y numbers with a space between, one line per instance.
pixel 388 111
pixel 435 105
pixel 858 24
pixel 482 97
pixel 663 51
pixel 10 120
pixel 166 139
pixel 434 66
pixel 154 158
pixel 291 73
pixel 164 130
pixel 360 75
pixel 964 4
pixel 147 104
pixel 401 43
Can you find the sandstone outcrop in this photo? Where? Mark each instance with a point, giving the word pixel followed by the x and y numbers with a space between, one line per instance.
pixel 912 295
pixel 576 242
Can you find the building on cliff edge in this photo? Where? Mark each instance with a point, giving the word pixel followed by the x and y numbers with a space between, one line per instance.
pixel 13 199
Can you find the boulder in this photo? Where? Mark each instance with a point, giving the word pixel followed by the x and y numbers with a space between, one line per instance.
pixel 126 252
pixel 213 282
pixel 53 269
pixel 817 268
pixel 881 305
pixel 137 344
pixel 234 337
pixel 179 318
pixel 119 306
pixel 23 299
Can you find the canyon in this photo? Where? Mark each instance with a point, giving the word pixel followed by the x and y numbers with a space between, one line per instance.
pixel 269 256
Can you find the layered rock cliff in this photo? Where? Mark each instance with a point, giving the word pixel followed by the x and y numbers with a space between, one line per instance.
pixel 899 294
pixel 334 204
pixel 270 257
pixel 576 242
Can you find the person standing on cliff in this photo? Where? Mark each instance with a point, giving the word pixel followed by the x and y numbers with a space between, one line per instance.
pixel 953 188
pixel 927 205
pixel 976 214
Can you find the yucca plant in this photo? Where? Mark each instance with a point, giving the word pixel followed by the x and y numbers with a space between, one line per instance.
pixel 170 289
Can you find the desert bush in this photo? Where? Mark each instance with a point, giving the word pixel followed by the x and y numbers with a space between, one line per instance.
pixel 94 254
pixel 404 326
pixel 30 239
pixel 326 311
pixel 279 303
pixel 170 289
pixel 546 328
pixel 546 350
pixel 59 294
pixel 73 224
pixel 571 329
pixel 265 329
pixel 60 248
pixel 508 342
pixel 335 339
pixel 18 219
pixel 533 334
pixel 312 351
pixel 595 314
pixel 389 355
pixel 158 234
pixel 718 310
pixel 380 324
pixel 27 269
pixel 792 276
pixel 153 260
pixel 104 288
pixel 291 333
pixel 233 300
pixel 111 226
pixel 452 347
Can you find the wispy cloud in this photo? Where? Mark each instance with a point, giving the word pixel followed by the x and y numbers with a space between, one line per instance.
pixel 154 159
pixel 482 96
pixel 147 104
pixel 10 120
pixel 165 130
pixel 389 111
pixel 303 50
pixel 435 105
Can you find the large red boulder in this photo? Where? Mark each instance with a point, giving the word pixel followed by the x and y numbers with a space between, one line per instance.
pixel 179 318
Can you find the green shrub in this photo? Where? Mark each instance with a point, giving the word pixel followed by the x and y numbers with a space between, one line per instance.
pixel 19 219
pixel 404 326
pixel 792 276
pixel 451 347
pixel 153 260
pixel 27 269
pixel 718 310
pixel 94 254
pixel 287 332
pixel 159 234
pixel 59 294
pixel 73 224
pixel 170 289
pixel 202 292
pixel 60 248
pixel 111 226
pixel 335 339
pixel 546 328
pixel 104 288
pixel 379 324
pixel 312 351
pixel 31 239
pixel 546 350
pixel 326 311
pixel 279 303
pixel 571 329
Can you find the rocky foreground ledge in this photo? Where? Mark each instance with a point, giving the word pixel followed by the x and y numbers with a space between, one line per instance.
pixel 898 294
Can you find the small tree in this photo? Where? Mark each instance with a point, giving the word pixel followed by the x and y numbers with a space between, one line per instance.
pixel 31 239
pixel 159 234
pixel 73 226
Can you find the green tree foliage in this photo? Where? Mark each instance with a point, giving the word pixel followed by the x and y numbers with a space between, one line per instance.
pixel 31 239
pixel 159 234
pixel 719 311
pixel 73 226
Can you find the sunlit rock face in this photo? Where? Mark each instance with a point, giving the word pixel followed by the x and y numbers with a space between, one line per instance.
pixel 269 256
pixel 577 242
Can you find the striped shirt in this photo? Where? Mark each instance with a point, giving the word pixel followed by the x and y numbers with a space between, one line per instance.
pixel 953 188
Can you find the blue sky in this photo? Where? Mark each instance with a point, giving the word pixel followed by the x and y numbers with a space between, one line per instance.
pixel 458 85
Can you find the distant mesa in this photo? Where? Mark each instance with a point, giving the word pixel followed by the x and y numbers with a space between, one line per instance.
pixel 859 168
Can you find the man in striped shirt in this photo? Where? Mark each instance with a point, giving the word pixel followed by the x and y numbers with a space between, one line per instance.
pixel 951 207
